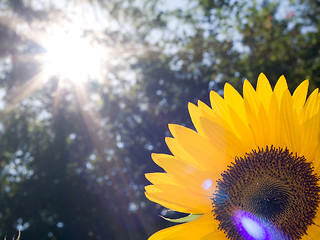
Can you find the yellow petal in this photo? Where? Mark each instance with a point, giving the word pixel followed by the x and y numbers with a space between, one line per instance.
pixel 273 119
pixel 220 107
pixel 299 96
pixel 168 204
pixel 280 87
pixel 316 161
pixel 256 112
pixel 313 232
pixel 178 151
pixel 200 149
pixel 225 140
pixel 156 156
pixel 312 105
pixel 235 101
pixel 217 103
pixel 188 175
pixel 195 114
pixel 259 124
pixel 194 230
pixel 310 124
pixel 165 194
pixel 160 178
pixel 289 124
pixel 243 130
pixel 205 108
pixel 310 137
pixel 217 235
pixel 250 96
pixel 264 90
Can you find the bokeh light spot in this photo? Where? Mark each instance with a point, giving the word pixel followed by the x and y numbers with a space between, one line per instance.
pixel 206 185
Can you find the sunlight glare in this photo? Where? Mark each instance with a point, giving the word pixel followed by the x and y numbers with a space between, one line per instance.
pixel 253 228
pixel 250 227
pixel 70 56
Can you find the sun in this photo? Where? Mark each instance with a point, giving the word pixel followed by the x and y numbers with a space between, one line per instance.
pixel 71 56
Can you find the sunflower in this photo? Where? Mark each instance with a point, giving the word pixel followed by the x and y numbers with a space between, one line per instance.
pixel 249 171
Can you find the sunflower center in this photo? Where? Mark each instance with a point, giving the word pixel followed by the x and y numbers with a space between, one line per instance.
pixel 272 189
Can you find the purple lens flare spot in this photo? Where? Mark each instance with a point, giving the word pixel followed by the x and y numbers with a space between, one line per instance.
pixel 251 227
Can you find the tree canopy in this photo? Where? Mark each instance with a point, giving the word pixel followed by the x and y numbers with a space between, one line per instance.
pixel 74 151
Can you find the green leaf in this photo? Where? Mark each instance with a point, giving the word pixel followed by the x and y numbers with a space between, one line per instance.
pixel 188 218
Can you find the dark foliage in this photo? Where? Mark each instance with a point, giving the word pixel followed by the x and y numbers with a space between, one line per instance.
pixel 73 164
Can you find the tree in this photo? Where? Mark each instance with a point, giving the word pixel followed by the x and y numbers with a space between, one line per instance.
pixel 74 154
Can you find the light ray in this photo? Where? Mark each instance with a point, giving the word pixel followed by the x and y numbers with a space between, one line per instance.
pixel 24 91
pixel 91 118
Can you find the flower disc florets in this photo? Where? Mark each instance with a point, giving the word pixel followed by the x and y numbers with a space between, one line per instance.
pixel 274 185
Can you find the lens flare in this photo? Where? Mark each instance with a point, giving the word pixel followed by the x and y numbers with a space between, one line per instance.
pixel 251 227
